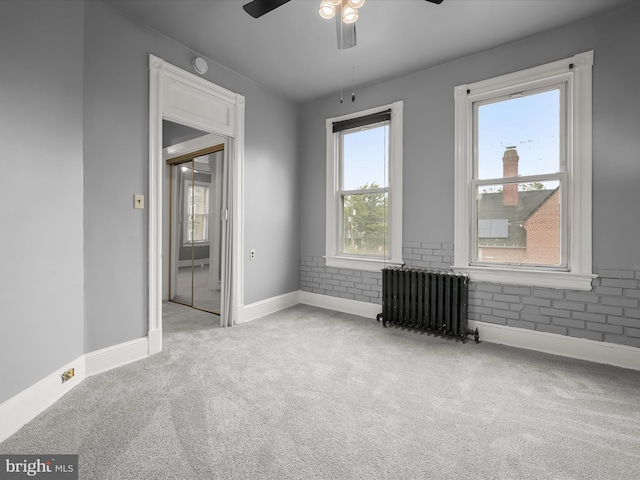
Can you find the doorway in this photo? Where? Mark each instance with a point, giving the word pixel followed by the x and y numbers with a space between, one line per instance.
pixel 183 98
pixel 195 219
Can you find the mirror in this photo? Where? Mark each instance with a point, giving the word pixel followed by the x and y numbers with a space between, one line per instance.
pixel 195 191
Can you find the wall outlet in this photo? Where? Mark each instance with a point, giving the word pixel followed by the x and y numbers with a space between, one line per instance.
pixel 68 375
pixel 252 254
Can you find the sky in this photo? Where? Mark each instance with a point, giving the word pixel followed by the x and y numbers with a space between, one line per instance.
pixel 531 124
pixel 366 154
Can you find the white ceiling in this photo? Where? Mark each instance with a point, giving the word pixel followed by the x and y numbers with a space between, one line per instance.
pixel 293 51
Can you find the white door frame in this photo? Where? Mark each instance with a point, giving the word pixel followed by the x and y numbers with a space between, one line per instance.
pixel 182 97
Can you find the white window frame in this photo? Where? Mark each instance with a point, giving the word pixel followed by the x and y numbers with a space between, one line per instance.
pixel 576 73
pixel 333 205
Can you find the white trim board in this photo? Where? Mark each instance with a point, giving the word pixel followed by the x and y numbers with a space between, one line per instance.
pixel 26 405
pixel 196 263
pixel 23 407
pixel 181 97
pixel 564 346
pixel 353 307
pixel 268 306
pixel 116 356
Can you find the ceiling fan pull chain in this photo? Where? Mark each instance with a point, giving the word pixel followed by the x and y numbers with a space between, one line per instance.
pixel 353 76
pixel 341 64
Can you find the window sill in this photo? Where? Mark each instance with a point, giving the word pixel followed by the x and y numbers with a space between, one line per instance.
pixel 532 278
pixel 356 263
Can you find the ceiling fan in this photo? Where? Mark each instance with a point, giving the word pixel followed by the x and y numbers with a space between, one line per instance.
pixel 346 31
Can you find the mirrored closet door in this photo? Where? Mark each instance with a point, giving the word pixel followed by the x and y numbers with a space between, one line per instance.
pixel 196 233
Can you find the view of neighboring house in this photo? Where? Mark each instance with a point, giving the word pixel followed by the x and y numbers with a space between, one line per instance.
pixel 520 223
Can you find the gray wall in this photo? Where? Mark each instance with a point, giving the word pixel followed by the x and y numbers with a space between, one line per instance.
pixel 116 140
pixel 174 133
pixel 41 246
pixel 429 177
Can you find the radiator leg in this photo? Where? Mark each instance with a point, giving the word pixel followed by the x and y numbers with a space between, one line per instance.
pixel 475 333
pixel 379 317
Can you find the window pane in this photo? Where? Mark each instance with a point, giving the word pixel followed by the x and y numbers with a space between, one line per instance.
pixel 365 158
pixel 199 200
pixel 198 230
pixel 519 223
pixel 519 136
pixel 364 225
pixel 198 207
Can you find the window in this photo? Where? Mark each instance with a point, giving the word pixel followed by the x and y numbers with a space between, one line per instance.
pixel 364 189
pixel 196 218
pixel 523 176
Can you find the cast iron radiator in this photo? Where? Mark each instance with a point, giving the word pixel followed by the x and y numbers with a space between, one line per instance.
pixel 430 300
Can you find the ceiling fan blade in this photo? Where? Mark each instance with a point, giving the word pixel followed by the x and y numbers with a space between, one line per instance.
pixel 437 2
pixel 257 8
pixel 346 34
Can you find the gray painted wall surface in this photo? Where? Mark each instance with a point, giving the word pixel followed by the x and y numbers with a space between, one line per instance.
pixel 41 246
pixel 173 133
pixel 116 140
pixel 429 169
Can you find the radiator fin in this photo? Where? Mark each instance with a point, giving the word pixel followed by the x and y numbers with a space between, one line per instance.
pixel 426 299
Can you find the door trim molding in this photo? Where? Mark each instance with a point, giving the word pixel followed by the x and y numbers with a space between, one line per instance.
pixel 181 97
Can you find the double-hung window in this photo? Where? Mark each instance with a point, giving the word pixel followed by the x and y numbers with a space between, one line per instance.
pixel 364 189
pixel 523 176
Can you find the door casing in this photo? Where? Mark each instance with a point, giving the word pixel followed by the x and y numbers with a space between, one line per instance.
pixel 181 97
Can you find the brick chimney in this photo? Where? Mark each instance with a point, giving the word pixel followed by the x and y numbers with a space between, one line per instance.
pixel 510 169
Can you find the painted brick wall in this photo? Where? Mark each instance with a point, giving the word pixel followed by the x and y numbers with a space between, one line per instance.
pixel 543 232
pixel 315 277
pixel 609 313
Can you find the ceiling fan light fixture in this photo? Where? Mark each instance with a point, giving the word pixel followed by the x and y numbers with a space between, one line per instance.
pixel 356 3
pixel 349 14
pixel 327 10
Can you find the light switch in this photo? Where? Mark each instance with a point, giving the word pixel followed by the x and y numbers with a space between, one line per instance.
pixel 138 201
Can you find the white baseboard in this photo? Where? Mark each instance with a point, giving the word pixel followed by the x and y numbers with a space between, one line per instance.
pixel 195 263
pixel 23 407
pixel 116 355
pixel 572 347
pixel 155 341
pixel 268 306
pixel 26 405
pixel 345 305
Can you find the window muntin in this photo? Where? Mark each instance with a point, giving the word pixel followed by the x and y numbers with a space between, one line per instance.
pixel 364 192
